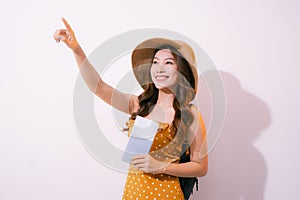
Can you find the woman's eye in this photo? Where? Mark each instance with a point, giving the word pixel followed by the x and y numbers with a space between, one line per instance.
pixel 169 63
pixel 154 62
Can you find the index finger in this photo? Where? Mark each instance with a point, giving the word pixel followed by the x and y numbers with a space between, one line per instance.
pixel 140 156
pixel 67 25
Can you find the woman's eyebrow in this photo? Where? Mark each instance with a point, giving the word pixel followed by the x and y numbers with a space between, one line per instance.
pixel 164 58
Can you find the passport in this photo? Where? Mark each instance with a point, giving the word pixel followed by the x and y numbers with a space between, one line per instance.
pixel 141 138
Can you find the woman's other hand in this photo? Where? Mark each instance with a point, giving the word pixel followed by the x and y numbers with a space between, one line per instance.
pixel 67 36
pixel 148 164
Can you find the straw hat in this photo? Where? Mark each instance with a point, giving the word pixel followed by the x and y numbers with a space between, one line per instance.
pixel 143 55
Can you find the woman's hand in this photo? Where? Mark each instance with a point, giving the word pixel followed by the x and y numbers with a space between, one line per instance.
pixel 67 36
pixel 148 164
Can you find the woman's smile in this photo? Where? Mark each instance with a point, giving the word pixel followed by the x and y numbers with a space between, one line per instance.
pixel 161 77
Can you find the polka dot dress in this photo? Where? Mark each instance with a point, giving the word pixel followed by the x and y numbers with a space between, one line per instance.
pixel 144 186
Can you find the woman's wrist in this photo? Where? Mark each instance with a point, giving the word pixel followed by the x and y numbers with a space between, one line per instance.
pixel 164 169
pixel 78 50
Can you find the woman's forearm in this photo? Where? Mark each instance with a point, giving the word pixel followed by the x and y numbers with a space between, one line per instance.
pixel 87 71
pixel 79 55
pixel 188 169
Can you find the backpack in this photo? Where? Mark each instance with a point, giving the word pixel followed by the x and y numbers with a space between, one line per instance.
pixel 187 183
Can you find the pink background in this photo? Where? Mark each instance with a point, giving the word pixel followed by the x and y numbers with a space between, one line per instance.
pixel 254 45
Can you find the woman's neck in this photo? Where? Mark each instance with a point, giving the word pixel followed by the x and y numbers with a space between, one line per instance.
pixel 165 99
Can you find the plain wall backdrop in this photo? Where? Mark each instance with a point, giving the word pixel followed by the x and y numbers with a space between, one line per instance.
pixel 254 44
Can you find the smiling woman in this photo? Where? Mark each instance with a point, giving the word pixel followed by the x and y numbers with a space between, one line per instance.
pixel 166 71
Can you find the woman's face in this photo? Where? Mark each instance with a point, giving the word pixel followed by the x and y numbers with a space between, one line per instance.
pixel 164 69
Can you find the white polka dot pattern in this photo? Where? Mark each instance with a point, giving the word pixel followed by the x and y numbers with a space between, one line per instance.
pixel 143 186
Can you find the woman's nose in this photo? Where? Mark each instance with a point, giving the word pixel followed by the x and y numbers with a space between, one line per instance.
pixel 160 69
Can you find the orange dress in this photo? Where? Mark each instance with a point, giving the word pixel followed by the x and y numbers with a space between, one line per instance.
pixel 148 186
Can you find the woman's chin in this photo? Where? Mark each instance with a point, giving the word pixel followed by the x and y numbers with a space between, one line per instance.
pixel 160 86
pixel 165 88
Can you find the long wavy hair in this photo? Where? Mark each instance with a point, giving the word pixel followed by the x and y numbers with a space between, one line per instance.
pixel 184 93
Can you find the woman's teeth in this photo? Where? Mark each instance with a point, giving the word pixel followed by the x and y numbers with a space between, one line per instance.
pixel 161 77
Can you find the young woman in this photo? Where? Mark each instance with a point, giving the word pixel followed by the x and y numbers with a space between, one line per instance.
pixel 166 71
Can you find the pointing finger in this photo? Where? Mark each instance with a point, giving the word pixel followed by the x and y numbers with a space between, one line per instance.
pixel 67 25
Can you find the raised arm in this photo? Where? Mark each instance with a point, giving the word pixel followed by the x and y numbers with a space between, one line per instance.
pixel 124 102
